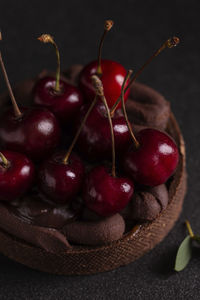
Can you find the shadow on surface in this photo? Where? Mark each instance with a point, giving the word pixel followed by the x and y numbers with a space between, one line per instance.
pixel 164 265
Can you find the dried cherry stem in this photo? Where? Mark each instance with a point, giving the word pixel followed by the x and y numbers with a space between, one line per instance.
pixel 66 158
pixel 99 92
pixel 5 162
pixel 17 112
pixel 170 43
pixel 136 143
pixel 107 26
pixel 189 228
pixel 47 38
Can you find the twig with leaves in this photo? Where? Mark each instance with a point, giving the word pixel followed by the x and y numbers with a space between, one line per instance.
pixel 184 253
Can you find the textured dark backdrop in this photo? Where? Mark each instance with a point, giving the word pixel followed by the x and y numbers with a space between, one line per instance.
pixel 140 26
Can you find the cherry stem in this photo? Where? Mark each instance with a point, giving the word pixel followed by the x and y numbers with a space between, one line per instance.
pixel 170 43
pixel 17 112
pixel 4 160
pixel 107 26
pixel 66 158
pixel 99 92
pixel 189 228
pixel 136 143
pixel 47 38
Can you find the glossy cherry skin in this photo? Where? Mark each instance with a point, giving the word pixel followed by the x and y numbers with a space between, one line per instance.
pixel 61 182
pixel 104 194
pixel 95 138
pixel 64 105
pixel 17 177
pixel 154 161
pixel 112 78
pixel 36 134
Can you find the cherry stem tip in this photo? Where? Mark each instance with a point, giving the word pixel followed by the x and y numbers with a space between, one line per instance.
pixel 4 160
pixel 108 25
pixel 46 38
pixel 173 42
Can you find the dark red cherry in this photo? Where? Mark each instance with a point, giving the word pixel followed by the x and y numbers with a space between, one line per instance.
pixel 32 131
pixel 16 175
pixel 65 104
pixel 95 138
pixel 62 98
pixel 105 194
pixel 112 77
pixel 35 133
pixel 59 181
pixel 154 161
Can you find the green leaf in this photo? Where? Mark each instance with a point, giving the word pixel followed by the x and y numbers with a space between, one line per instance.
pixel 196 238
pixel 184 254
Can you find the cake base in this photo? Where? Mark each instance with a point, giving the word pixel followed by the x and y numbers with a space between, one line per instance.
pixel 90 260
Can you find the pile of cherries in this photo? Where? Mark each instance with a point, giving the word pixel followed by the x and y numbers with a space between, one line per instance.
pixel 30 139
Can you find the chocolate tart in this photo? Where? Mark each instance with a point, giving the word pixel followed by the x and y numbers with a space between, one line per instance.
pixel 49 251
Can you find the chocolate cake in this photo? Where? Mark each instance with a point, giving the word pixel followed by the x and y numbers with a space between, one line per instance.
pixel 71 239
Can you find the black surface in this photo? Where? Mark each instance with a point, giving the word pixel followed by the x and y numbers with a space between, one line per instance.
pixel 140 26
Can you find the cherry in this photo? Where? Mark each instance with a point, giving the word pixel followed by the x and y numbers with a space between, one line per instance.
pixel 155 159
pixel 95 138
pixel 16 175
pixel 36 133
pixel 32 131
pixel 111 73
pixel 61 181
pixel 155 155
pixel 62 98
pixel 104 193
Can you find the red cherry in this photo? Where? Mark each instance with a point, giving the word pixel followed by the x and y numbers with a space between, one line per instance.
pixel 154 161
pixel 111 73
pixel 59 181
pixel 32 131
pixel 35 133
pixel 104 194
pixel 95 138
pixel 16 175
pixel 64 104
pixel 112 77
pixel 62 98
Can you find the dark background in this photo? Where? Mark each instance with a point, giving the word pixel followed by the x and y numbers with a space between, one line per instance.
pixel 140 27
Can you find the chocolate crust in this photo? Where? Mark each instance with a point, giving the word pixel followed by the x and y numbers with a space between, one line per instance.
pixel 89 260
pixel 96 232
pixel 146 204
